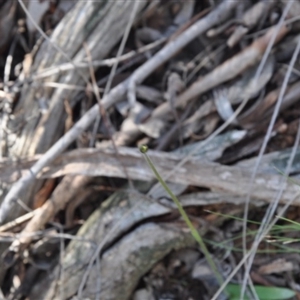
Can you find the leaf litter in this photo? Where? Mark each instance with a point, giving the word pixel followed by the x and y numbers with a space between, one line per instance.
pixel 80 217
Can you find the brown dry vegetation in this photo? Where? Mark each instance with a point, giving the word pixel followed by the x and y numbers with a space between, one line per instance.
pixel 212 87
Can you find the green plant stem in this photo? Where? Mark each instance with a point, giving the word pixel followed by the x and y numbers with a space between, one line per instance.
pixel 187 220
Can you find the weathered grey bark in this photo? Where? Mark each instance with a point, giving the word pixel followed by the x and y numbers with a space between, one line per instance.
pixel 233 180
pixel 100 25
pixel 129 256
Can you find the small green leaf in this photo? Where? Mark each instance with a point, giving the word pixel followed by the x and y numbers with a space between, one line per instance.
pixel 143 148
pixel 263 292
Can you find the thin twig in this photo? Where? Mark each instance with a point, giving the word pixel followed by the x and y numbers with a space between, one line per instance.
pixel 266 224
pixel 254 247
pixel 96 63
pixel 56 47
pixel 67 86
pixel 10 225
pixel 115 95
pixel 213 18
pixel 10 199
pixel 112 74
pixel 261 152
pixel 104 115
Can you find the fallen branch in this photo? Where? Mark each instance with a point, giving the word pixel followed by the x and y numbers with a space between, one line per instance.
pixel 115 95
pixel 218 15
pixel 232 180
pixel 226 71
pixel 64 193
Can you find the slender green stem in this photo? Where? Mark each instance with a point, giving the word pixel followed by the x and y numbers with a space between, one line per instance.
pixel 187 220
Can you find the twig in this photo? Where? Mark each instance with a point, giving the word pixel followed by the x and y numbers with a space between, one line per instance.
pixel 69 188
pixel 103 111
pixel 272 206
pixel 68 86
pixel 111 76
pixel 56 47
pixel 10 199
pixel 226 71
pixel 10 225
pixel 255 245
pixel 266 224
pixel 167 138
pixel 250 18
pixel 228 122
pixel 97 63
pixel 215 17
pixel 115 95
pixel 103 162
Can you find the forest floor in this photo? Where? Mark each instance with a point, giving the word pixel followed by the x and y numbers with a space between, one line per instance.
pixel 211 87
